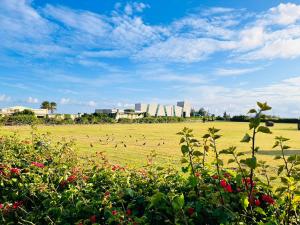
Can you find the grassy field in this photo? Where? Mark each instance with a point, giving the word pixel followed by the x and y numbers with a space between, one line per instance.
pixel 129 144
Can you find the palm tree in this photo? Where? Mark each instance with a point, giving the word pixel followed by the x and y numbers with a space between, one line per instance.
pixel 45 105
pixel 53 106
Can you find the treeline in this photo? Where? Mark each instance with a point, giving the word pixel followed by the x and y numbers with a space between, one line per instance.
pixel 27 117
pixel 244 118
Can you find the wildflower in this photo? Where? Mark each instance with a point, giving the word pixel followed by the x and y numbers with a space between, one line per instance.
pixel 191 211
pixel 71 178
pixel 107 193
pixel 268 199
pixel 257 202
pixel 37 164
pixel 17 204
pixel 15 171
pixel 128 212
pixel 1 206
pixel 114 212
pixel 228 188
pixel 223 183
pixel 93 219
pixel 197 174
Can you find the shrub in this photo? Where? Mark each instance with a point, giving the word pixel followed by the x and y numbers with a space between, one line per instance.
pixel 46 183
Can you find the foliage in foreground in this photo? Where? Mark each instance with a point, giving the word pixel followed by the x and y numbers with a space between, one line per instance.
pixel 45 183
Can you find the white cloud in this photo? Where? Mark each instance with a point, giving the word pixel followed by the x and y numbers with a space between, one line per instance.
pixel 236 72
pixel 56 31
pixel 281 95
pixel 91 103
pixel 32 100
pixel 4 98
pixel 184 49
pixel 65 101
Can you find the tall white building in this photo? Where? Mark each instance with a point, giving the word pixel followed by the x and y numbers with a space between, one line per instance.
pixel 186 108
pixel 182 109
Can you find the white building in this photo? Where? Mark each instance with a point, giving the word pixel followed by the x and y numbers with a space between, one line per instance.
pixel 108 111
pixel 182 109
pixel 11 110
pixel 186 108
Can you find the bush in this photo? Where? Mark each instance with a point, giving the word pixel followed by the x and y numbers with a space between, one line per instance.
pixel 22 119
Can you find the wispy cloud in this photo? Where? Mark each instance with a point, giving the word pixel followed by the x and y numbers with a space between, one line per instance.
pixel 52 30
pixel 236 72
pixel 32 100
pixel 4 98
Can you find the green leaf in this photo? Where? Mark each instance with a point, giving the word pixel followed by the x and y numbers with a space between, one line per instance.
pixel 260 211
pixel 277 157
pixel 246 138
pixel 263 129
pixel 206 136
pixel 291 158
pixel 244 201
pixel 252 111
pixel 184 160
pixel 280 169
pixel 184 149
pixel 240 154
pixel 156 199
pixel 251 162
pixel 263 106
pixel 254 122
pixel 231 161
pixel 182 140
pixel 178 202
pixel 197 153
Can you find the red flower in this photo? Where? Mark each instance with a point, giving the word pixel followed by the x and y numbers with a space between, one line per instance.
pixel 268 199
pixel 107 193
pixel 223 183
pixel 37 164
pixel 228 188
pixel 17 204
pixel 71 178
pixel 15 171
pixel 257 202
pixel 197 174
pixel 128 212
pixel 191 211
pixel 93 219
pixel 1 206
pixel 114 212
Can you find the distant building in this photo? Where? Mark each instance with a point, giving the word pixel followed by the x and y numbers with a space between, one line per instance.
pixel 40 113
pixel 186 108
pixel 120 114
pixel 108 111
pixel 182 109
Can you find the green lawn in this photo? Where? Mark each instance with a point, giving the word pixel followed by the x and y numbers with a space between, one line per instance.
pixel 140 139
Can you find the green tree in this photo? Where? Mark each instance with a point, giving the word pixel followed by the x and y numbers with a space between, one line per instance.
pixel 52 106
pixel 45 105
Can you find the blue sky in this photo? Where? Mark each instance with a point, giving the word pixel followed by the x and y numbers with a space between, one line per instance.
pixel 221 55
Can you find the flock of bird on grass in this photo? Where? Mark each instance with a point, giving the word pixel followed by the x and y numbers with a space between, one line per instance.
pixel 110 139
